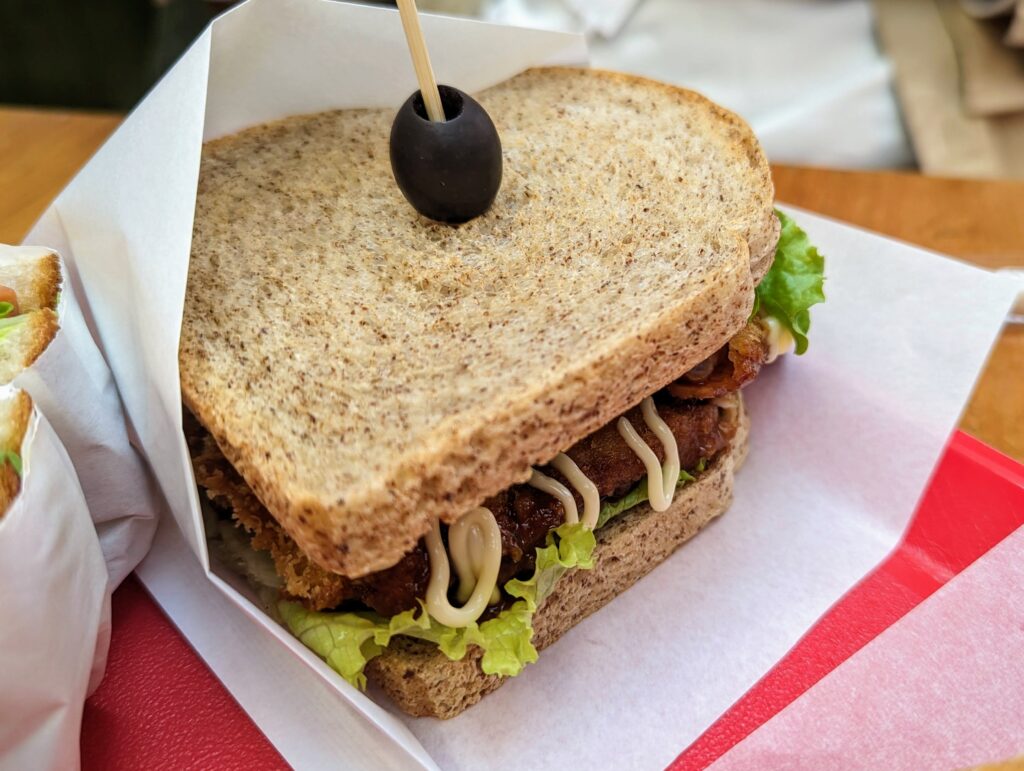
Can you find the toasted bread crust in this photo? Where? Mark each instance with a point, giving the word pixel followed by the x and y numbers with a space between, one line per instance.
pixel 34 273
pixel 15 412
pixel 23 346
pixel 458 357
pixel 424 682
pixel 45 284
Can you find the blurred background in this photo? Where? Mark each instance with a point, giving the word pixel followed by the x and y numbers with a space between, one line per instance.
pixel 936 85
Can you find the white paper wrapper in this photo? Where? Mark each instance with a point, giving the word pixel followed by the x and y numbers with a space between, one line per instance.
pixel 56 609
pixel 72 385
pixel 843 439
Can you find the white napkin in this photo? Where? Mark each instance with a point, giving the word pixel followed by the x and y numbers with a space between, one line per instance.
pixel 843 441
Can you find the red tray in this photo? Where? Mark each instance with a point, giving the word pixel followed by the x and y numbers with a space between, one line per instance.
pixel 160 707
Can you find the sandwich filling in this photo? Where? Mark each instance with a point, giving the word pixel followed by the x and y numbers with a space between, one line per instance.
pixel 29 306
pixel 524 514
pixel 481 578
pixel 479 581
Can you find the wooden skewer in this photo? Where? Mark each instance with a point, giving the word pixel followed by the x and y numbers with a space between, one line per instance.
pixel 421 60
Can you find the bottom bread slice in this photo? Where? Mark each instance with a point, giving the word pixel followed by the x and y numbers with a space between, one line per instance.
pixel 424 682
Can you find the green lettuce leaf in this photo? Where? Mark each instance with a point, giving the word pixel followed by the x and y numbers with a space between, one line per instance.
pixel 794 283
pixel 347 641
pixel 10 323
pixel 506 641
pixel 344 640
pixel 10 456
pixel 573 548
pixel 5 309
pixel 636 496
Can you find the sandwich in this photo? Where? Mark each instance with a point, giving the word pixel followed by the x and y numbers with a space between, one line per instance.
pixel 437 448
pixel 15 412
pixel 30 283
pixel 29 292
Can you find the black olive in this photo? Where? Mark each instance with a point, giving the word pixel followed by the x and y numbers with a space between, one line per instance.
pixel 448 171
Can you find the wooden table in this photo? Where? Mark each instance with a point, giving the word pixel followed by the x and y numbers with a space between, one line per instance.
pixel 979 221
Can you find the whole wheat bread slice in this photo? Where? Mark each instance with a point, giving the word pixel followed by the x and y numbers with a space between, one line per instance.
pixel 424 682
pixel 367 370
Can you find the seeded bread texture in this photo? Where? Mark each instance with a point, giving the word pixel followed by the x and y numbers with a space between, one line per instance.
pixel 424 682
pixel 367 370
pixel 15 411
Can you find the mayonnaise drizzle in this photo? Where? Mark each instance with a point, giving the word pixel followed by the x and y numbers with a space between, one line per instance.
pixel 476 563
pixel 474 541
pixel 467 545
pixel 730 408
pixel 780 339
pixel 555 488
pixel 661 479
pixel 587 489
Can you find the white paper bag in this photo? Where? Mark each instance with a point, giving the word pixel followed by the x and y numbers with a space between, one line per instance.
pixel 56 609
pixel 72 385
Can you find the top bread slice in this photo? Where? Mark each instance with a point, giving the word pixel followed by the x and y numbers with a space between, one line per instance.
pixel 366 369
